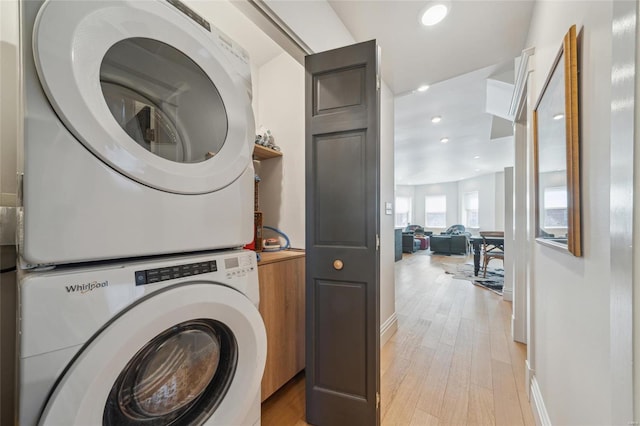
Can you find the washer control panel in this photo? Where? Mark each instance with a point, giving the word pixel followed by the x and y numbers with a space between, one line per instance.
pixel 150 276
pixel 238 266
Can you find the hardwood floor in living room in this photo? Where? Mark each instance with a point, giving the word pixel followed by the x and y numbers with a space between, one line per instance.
pixel 451 362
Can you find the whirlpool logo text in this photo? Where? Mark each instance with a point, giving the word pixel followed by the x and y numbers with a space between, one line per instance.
pixel 86 288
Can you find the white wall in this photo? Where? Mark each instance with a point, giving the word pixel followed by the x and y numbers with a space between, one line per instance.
pixel 490 189
pixel 636 251
pixel 448 189
pixel 486 187
pixel 388 322
pixel 405 191
pixel 281 110
pixel 509 246
pixel 409 192
pixel 8 101
pixel 570 296
pixel 498 218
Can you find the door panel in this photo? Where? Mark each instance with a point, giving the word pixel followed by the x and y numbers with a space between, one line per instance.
pixel 339 90
pixel 342 228
pixel 338 158
pixel 336 302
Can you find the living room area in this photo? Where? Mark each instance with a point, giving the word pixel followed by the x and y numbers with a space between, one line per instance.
pixel 445 221
pixel 477 203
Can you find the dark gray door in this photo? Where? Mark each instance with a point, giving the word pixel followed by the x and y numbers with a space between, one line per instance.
pixel 342 228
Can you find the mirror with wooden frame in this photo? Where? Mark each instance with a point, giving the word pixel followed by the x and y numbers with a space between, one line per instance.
pixel 557 153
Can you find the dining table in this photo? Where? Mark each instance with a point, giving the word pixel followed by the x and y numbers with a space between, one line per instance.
pixel 476 245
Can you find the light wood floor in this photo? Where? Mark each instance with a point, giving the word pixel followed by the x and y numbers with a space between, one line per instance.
pixel 451 362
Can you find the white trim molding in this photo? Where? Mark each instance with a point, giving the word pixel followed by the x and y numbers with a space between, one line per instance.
pixel 622 203
pixel 388 329
pixel 265 19
pixel 523 193
pixel 537 405
pixel 522 74
pixel 528 376
pixel 507 295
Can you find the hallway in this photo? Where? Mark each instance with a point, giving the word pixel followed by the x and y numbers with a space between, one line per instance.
pixel 451 362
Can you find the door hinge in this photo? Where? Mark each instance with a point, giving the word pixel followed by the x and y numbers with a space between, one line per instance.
pixel 377 241
pixel 378 82
pixel 377 400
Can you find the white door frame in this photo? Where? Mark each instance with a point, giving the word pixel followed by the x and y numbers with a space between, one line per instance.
pixel 522 228
pixel 624 80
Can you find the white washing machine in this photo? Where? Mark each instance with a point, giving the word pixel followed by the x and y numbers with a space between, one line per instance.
pixel 177 340
pixel 138 132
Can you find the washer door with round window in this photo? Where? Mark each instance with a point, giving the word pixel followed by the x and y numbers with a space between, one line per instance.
pixel 147 90
pixel 190 354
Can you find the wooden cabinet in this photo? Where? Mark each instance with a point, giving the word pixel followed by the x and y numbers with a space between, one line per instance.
pixel 281 276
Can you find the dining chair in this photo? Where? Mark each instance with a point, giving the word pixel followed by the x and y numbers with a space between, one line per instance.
pixel 491 249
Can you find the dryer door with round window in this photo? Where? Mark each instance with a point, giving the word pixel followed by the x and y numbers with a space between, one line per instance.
pixel 160 97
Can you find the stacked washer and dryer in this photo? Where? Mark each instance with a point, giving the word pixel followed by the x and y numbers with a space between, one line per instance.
pixel 136 305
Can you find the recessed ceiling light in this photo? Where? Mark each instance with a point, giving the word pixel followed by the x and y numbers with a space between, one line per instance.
pixel 558 116
pixel 444 140
pixel 476 157
pixel 434 13
pixel 423 88
pixel 436 119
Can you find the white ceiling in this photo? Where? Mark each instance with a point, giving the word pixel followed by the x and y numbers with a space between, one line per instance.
pixel 475 34
pixel 455 58
pixel 421 158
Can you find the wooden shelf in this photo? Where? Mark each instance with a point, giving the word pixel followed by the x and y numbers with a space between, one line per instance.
pixel 262 153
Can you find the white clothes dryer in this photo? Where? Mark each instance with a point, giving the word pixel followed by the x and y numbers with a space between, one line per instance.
pixel 138 132
pixel 177 340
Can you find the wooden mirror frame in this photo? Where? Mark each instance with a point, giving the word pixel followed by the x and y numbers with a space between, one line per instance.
pixel 568 59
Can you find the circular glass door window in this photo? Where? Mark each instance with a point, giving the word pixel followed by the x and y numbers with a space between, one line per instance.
pixel 163 100
pixel 180 377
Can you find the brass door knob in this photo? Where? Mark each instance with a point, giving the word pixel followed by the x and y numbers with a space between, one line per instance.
pixel 337 264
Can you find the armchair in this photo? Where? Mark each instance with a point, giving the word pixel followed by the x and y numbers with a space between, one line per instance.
pixel 419 234
pixel 409 243
pixel 416 229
